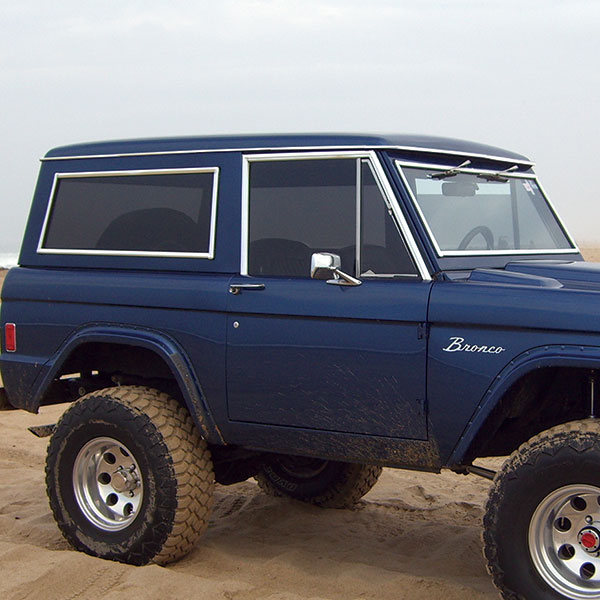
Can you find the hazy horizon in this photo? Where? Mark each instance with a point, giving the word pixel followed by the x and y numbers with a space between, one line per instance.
pixel 518 75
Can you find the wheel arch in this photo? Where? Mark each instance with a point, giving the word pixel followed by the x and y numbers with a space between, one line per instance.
pixel 155 344
pixel 522 386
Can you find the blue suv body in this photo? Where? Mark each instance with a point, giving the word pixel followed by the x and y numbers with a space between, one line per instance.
pixel 317 307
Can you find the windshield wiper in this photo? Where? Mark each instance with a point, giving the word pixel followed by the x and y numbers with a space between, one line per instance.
pixel 497 176
pixel 450 172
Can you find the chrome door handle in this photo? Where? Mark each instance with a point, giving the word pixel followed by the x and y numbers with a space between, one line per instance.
pixel 236 288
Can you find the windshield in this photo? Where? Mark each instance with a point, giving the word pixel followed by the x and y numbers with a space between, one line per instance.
pixel 485 213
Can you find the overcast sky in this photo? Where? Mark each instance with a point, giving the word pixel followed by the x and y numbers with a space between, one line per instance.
pixel 520 74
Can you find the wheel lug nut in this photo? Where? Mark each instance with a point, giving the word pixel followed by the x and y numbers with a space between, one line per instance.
pixel 589 519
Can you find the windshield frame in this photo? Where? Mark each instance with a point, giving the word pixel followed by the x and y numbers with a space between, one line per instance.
pixel 470 171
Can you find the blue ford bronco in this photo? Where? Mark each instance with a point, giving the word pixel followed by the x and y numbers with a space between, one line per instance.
pixel 306 310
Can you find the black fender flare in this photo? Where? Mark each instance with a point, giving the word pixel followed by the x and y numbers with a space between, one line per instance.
pixel 586 357
pixel 159 343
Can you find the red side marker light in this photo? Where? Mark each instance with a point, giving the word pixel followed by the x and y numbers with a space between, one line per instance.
pixel 10 337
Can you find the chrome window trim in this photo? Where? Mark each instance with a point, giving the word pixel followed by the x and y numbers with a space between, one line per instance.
pixel 358 217
pixel 123 173
pixel 409 239
pixel 389 276
pixel 245 216
pixel 286 149
pixel 380 177
pixel 441 253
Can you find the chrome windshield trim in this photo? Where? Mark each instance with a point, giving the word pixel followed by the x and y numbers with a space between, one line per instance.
pixel 557 215
pixel 282 149
pixel 123 173
pixel 456 253
pixel 440 253
pixel 380 176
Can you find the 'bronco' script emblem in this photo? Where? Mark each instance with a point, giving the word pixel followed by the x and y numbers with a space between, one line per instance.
pixel 457 344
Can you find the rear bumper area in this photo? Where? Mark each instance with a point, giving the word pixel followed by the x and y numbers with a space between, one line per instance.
pixel 4 403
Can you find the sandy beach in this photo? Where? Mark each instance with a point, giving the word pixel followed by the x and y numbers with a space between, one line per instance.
pixel 415 535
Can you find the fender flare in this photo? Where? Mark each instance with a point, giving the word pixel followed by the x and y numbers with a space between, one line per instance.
pixel 586 357
pixel 159 343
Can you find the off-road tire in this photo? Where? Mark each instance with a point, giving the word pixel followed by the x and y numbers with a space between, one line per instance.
pixel 175 469
pixel 562 464
pixel 329 484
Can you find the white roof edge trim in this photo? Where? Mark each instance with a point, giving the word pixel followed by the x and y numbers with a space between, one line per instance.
pixel 296 149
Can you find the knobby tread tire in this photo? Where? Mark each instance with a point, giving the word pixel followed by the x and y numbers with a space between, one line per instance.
pixel 351 483
pixel 182 493
pixel 566 443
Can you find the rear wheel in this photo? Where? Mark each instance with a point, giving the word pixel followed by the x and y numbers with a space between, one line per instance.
pixel 542 522
pixel 324 483
pixel 128 477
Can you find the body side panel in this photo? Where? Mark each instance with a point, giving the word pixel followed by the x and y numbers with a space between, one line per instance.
pixel 180 316
pixel 478 334
pixel 306 354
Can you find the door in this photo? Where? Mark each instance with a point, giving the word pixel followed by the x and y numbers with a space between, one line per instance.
pixel 313 354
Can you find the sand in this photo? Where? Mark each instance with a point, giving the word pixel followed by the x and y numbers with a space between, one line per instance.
pixel 415 535
pixel 590 253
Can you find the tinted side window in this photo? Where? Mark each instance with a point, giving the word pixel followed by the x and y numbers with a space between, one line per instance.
pixel 154 213
pixel 383 252
pixel 299 207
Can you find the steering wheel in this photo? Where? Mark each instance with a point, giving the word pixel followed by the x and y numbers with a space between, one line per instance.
pixel 486 232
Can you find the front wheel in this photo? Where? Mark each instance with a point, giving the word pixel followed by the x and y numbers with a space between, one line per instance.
pixel 128 477
pixel 542 521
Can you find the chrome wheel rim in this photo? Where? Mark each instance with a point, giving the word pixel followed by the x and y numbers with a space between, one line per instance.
pixel 564 541
pixel 107 484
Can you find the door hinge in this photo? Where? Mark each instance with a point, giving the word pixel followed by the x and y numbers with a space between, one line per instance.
pixel 422 331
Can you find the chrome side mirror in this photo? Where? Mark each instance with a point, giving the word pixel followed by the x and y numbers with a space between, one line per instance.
pixel 325 264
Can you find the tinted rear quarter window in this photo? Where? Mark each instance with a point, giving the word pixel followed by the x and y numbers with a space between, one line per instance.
pixel 143 213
